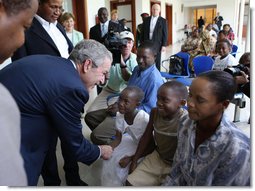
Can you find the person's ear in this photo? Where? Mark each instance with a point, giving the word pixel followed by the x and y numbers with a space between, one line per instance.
pixel 138 103
pixel 87 65
pixel 225 104
pixel 183 102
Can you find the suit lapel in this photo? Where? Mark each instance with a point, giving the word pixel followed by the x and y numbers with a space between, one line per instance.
pixel 99 30
pixel 157 26
pixel 38 29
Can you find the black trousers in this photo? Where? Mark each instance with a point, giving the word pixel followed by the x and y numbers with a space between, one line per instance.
pixel 158 60
pixel 50 167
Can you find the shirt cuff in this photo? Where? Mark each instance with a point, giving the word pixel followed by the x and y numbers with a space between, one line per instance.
pixel 99 153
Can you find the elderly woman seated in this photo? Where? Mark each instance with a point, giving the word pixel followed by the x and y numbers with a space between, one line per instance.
pixel 191 43
pixel 205 46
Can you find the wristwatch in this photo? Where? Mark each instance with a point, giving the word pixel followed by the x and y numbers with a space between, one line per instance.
pixel 123 66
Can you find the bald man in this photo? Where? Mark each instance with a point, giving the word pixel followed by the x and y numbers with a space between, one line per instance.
pixel 154 29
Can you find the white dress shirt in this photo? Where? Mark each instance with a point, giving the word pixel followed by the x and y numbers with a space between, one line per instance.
pixel 56 35
pixel 152 25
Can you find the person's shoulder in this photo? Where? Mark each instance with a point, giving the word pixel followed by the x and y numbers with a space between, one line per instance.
pixel 95 26
pixel 231 57
pixel 111 23
pixel 140 25
pixel 147 19
pixel 154 74
pixel 185 123
pixel 234 136
pixel 78 33
pixel 162 19
pixel 143 115
pixel 133 56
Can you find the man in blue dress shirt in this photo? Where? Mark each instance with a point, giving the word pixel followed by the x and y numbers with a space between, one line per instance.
pixel 145 76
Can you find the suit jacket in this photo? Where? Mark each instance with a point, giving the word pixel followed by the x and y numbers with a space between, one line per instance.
pixel 95 31
pixel 51 98
pixel 38 41
pixel 11 162
pixel 159 36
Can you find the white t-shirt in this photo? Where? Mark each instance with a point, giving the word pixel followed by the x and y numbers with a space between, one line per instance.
pixel 228 61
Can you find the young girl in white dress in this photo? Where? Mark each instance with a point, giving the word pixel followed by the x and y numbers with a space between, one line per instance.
pixel 130 126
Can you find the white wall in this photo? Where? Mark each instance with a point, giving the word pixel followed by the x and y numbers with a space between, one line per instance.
pixel 93 6
pixel 141 7
pixel 67 5
pixel 227 9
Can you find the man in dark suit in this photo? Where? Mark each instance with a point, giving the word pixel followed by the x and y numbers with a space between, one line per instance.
pixel 218 20
pixel 105 27
pixel 51 98
pixel 100 31
pixel 201 23
pixel 47 36
pixel 154 29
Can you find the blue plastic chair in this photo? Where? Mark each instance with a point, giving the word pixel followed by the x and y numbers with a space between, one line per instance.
pixel 201 64
pixel 185 57
pixel 234 50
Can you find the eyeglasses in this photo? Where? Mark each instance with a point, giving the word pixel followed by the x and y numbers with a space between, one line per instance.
pixel 55 8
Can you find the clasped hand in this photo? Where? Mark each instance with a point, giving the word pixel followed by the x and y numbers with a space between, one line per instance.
pixel 112 109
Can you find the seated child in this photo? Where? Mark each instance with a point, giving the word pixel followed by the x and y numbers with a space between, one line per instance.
pixel 243 80
pixel 211 150
pixel 225 59
pixel 165 119
pixel 222 35
pixel 130 124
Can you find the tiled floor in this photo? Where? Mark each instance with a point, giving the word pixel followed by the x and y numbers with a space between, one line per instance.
pixel 88 173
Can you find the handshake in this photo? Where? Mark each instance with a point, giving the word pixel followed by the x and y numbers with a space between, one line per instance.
pixel 106 151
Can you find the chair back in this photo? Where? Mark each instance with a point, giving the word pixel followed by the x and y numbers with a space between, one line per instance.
pixel 234 50
pixel 202 64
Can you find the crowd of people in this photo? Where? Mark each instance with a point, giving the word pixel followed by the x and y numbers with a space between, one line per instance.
pixel 154 133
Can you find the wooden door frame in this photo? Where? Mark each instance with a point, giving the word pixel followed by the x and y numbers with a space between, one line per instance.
pixel 169 18
pixel 114 4
pixel 81 17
